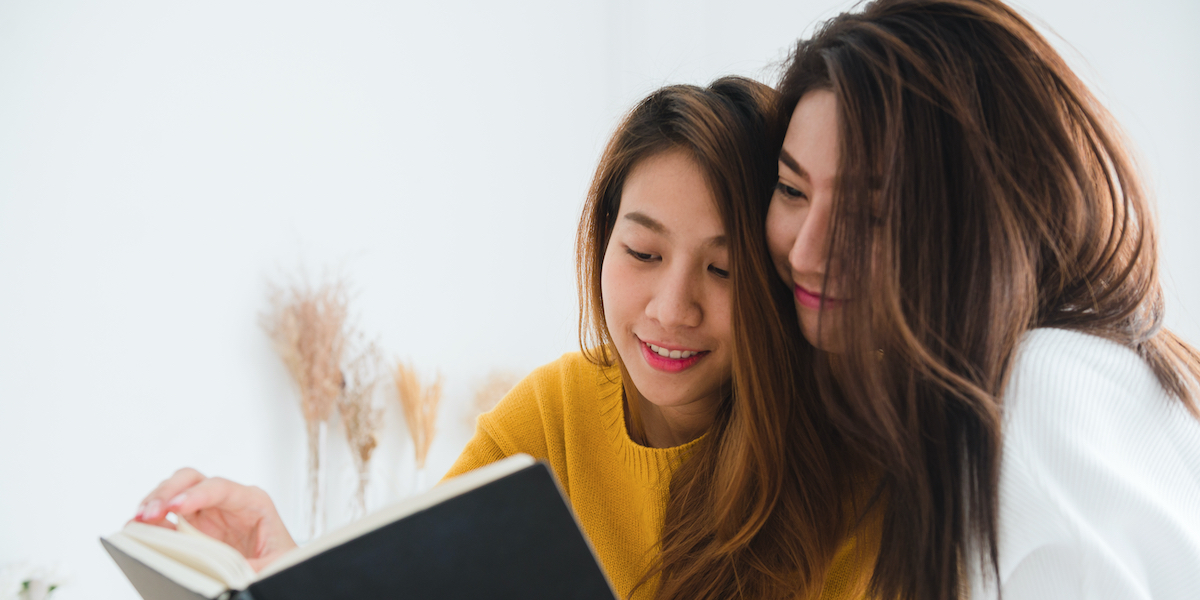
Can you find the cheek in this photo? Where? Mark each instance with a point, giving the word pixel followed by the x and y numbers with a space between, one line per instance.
pixel 722 316
pixel 617 281
pixel 781 236
pixel 608 281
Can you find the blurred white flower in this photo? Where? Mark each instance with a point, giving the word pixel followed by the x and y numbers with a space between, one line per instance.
pixel 41 580
pixel 12 580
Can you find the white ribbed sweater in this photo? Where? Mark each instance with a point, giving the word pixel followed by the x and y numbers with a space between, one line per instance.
pixel 1100 478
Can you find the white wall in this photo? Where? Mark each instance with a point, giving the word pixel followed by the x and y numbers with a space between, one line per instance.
pixel 159 161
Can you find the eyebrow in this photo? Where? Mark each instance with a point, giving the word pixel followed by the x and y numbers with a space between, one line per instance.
pixel 718 241
pixel 790 161
pixel 647 222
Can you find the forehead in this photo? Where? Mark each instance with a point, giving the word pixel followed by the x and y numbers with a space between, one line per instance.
pixel 672 189
pixel 813 138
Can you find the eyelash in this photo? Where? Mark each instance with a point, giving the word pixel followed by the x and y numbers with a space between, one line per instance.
pixel 642 256
pixel 794 193
pixel 788 190
pixel 645 257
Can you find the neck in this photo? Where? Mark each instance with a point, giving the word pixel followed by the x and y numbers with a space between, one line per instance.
pixel 664 427
pixel 674 426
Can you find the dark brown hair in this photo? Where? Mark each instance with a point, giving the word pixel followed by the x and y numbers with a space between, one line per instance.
pixel 736 521
pixel 982 191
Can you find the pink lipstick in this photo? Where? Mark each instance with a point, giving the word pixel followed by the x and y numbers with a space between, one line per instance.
pixel 808 299
pixel 668 364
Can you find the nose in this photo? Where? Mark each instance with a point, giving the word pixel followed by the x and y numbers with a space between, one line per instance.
pixel 810 250
pixel 676 303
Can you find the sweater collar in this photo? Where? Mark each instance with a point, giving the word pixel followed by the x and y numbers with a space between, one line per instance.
pixel 653 466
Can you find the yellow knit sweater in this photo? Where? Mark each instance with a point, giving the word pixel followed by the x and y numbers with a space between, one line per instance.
pixel 569 413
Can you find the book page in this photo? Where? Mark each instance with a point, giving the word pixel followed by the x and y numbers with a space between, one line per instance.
pixel 167 568
pixel 440 493
pixel 192 548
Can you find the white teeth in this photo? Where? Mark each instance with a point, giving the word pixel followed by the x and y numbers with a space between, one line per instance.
pixel 671 353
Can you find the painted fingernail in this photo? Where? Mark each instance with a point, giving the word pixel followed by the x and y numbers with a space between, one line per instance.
pixel 141 509
pixel 177 501
pixel 152 509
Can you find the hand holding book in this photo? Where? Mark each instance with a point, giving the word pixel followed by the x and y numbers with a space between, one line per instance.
pixel 502 531
pixel 241 516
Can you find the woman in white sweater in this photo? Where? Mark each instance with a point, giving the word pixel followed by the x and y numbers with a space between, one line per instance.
pixel 970 251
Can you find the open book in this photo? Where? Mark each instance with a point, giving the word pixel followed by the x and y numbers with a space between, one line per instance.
pixel 501 531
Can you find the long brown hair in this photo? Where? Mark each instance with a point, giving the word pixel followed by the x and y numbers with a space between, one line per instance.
pixel 982 191
pixel 736 521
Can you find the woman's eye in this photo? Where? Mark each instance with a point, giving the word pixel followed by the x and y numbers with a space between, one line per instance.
pixel 642 256
pixel 788 190
pixel 722 273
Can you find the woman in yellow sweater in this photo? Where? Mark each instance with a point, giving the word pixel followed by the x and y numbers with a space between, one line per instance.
pixel 677 469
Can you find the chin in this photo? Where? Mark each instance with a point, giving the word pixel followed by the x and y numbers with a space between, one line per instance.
pixel 660 389
pixel 674 389
pixel 655 396
pixel 821 336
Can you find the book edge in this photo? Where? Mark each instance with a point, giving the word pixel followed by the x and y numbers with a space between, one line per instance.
pixel 442 492
pixel 579 525
pixel 167 567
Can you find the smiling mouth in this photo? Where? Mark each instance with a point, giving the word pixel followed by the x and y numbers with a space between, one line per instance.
pixel 815 301
pixel 663 352
pixel 670 361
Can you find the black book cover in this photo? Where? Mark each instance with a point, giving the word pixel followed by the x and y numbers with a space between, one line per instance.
pixel 514 537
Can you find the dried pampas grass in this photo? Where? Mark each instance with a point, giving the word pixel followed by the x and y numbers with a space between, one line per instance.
pixel 488 393
pixel 362 417
pixel 306 326
pixel 420 407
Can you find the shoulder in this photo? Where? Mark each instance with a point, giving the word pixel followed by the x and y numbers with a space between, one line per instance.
pixel 1076 400
pixel 571 367
pixel 1059 376
pixel 571 376
pixel 1100 473
pixel 544 401
pixel 1048 356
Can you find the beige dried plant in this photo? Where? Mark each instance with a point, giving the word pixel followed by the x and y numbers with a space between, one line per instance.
pixel 488 392
pixel 420 405
pixel 362 417
pixel 306 326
